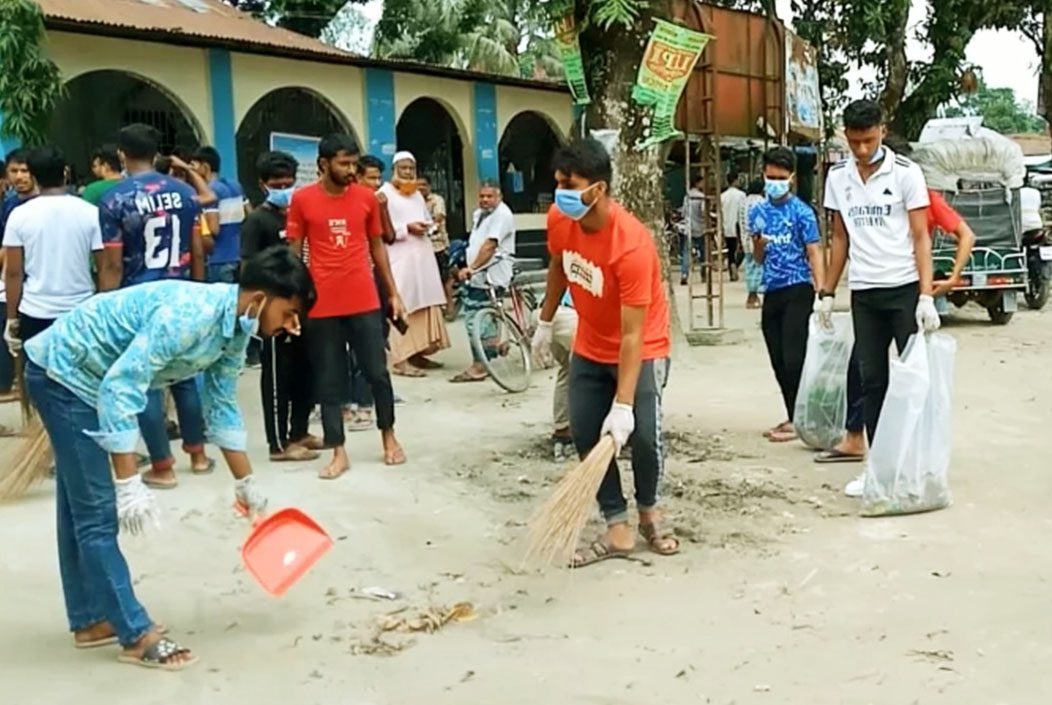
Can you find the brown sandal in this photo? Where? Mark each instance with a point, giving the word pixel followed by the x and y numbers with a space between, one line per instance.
pixel 598 552
pixel 656 539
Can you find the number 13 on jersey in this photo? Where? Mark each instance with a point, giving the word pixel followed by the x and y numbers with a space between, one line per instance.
pixel 163 242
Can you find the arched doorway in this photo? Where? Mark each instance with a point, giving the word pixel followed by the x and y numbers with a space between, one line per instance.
pixel 428 131
pixel 99 103
pixel 299 117
pixel 526 150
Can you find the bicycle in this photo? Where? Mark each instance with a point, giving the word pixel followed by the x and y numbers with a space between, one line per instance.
pixel 501 339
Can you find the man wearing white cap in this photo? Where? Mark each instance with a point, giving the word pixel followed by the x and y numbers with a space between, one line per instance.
pixel 415 273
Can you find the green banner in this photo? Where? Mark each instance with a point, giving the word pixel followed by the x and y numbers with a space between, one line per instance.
pixel 569 50
pixel 667 64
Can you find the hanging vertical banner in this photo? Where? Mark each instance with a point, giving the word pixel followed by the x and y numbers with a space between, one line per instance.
pixel 663 73
pixel 568 48
pixel 803 98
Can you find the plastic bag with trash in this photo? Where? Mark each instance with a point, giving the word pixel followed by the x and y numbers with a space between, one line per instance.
pixel 821 401
pixel 909 462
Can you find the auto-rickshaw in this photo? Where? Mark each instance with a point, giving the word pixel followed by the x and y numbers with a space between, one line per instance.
pixel 980 177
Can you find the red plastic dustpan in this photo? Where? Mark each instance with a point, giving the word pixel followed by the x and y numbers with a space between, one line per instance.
pixel 282 548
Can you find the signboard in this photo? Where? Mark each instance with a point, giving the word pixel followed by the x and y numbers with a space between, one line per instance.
pixel 667 64
pixel 568 49
pixel 304 149
pixel 803 97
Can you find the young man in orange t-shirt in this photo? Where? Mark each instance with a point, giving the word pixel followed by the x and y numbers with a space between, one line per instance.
pixel 609 261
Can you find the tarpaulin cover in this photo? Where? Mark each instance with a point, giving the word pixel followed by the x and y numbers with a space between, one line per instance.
pixel 991 158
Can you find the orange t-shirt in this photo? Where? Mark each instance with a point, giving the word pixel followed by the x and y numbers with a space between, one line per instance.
pixel 616 266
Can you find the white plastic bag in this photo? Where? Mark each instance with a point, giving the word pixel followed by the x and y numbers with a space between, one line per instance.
pixel 821 401
pixel 908 466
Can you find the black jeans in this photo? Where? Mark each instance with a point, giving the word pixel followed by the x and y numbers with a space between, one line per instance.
pixel 880 317
pixel 784 321
pixel 592 389
pixel 856 415
pixel 286 388
pixel 328 340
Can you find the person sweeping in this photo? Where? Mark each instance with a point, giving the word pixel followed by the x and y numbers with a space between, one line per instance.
pixel 88 376
pixel 620 363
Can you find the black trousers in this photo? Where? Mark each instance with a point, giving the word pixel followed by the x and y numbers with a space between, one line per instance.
pixel 784 321
pixel 880 316
pixel 593 386
pixel 329 340
pixel 29 327
pixel 287 391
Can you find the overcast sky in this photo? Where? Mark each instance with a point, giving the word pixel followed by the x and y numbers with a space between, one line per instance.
pixel 1008 59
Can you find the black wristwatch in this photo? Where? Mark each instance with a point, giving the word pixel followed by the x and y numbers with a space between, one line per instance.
pixel 825 295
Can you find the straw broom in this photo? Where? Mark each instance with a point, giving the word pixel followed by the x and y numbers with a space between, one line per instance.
pixel 555 528
pixel 32 456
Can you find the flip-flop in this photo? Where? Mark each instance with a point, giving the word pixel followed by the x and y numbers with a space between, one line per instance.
pixel 412 372
pixel 157 655
pixel 464 378
pixel 397 458
pixel 208 469
pixel 829 457
pixel 324 475
pixel 598 552
pixel 158 485
pixel 428 364
pixel 783 437
pixel 111 639
pixel 654 536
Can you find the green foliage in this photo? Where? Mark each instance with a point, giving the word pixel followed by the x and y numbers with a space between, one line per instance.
pixel 1001 111
pixel 307 17
pixel 607 13
pixel 30 83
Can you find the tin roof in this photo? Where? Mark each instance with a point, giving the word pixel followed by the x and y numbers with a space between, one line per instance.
pixel 211 23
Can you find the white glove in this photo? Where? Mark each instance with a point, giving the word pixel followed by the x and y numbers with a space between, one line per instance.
pixel 927 316
pixel 619 423
pixel 541 345
pixel 14 343
pixel 250 496
pixel 823 308
pixel 136 505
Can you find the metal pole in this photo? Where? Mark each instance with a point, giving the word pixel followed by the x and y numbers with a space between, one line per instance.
pixel 690 242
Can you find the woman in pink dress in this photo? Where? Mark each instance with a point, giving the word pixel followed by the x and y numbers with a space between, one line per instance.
pixel 415 272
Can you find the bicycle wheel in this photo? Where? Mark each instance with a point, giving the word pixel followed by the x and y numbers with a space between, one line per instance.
pixel 502 348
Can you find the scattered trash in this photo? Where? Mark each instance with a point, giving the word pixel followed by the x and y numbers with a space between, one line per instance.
pixel 430 620
pixel 378 593
pixel 938 655
pixel 762 689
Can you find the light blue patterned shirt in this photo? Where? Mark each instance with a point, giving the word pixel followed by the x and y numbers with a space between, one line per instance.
pixel 114 347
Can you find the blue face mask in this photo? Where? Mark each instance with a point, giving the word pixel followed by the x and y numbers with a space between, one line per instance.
pixel 570 204
pixel 878 155
pixel 280 197
pixel 250 324
pixel 776 189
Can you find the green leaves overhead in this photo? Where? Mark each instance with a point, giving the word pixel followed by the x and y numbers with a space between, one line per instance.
pixel 30 83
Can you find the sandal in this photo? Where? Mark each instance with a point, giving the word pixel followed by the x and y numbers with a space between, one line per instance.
pixel 464 377
pixel 409 371
pixel 309 442
pixel 159 655
pixel 657 539
pixel 208 468
pixel 828 457
pixel 294 454
pixel 326 474
pixel 394 457
pixel 424 364
pixel 598 552
pixel 156 484
pixel 782 436
pixel 111 639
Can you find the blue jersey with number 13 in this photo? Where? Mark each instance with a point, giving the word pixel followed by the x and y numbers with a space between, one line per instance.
pixel 151 217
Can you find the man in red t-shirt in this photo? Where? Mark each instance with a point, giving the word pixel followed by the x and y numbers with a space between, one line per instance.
pixel 339 221
pixel 621 349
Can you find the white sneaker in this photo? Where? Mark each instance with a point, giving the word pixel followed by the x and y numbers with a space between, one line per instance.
pixel 856 486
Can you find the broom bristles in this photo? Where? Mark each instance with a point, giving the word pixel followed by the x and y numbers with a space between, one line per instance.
pixel 555 528
pixel 32 460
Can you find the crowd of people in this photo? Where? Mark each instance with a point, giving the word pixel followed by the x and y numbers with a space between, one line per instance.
pixel 347 281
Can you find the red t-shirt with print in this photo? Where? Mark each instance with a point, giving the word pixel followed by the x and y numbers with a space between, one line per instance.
pixel 616 266
pixel 337 230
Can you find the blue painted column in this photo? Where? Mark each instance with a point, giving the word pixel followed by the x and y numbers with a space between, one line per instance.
pixel 486 136
pixel 221 90
pixel 7 144
pixel 380 118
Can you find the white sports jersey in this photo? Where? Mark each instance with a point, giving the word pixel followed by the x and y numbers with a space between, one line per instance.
pixel 876 217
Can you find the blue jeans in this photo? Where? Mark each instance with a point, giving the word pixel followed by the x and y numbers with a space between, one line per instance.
pixel 95 579
pixel 684 262
pixel 474 299
pixel 224 273
pixel 153 422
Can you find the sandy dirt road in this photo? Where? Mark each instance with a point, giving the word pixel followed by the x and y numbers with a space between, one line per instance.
pixel 783 595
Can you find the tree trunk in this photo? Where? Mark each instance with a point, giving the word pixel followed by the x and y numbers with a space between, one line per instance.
pixel 611 59
pixel 896 65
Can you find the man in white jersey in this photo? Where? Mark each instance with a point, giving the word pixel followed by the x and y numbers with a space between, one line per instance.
pixel 879 201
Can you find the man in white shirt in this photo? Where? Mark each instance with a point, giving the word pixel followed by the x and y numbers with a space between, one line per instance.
pixel 879 201
pixel 732 201
pixel 490 256
pixel 48 245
